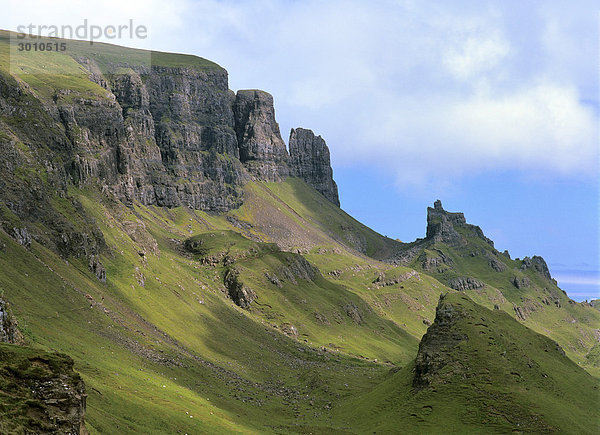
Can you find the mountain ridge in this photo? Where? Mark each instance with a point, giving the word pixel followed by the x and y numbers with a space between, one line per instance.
pixel 204 279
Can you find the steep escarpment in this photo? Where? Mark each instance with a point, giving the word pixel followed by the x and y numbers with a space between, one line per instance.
pixel 309 158
pixel 174 143
pixel 165 132
pixel 261 148
pixel 39 164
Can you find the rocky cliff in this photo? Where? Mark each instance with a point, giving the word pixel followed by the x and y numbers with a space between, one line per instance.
pixel 168 132
pixel 309 159
pixel 261 147
pixel 46 396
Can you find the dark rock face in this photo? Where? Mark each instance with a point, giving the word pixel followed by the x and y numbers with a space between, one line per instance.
pixel 261 148
pixel 9 332
pixel 538 264
pixel 179 139
pixel 465 283
pixel 445 227
pixel 310 161
pixel 49 396
pixel 239 293
pixel 441 226
pixel 433 349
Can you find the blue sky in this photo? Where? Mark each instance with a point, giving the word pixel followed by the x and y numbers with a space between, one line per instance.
pixel 490 106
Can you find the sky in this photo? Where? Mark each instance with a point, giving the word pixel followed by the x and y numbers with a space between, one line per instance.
pixel 490 106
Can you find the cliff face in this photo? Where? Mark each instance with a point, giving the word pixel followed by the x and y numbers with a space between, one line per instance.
pixel 442 226
pixel 309 158
pixel 261 148
pixel 167 133
pixel 171 134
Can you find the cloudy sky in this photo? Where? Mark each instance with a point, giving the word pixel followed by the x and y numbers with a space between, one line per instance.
pixel 490 106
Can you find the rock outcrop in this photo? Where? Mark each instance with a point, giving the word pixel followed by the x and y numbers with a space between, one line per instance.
pixel 9 332
pixel 442 226
pixel 46 395
pixel 310 160
pixel 538 264
pixel 261 148
pixel 240 294
pixel 465 283
pixel 435 345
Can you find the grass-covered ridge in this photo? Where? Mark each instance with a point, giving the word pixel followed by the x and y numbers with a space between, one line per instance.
pixel 276 316
pixel 485 372
pixel 163 335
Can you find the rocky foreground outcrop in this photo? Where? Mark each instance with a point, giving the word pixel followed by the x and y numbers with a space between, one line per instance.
pixel 9 332
pixel 41 392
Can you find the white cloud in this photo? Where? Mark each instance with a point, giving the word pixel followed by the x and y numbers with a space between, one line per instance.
pixel 475 56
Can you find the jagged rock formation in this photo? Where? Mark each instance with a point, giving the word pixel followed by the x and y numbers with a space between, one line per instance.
pixel 442 224
pixel 46 396
pixel 435 346
pixel 309 159
pixel 261 148
pixel 9 332
pixel 157 133
pixel 445 227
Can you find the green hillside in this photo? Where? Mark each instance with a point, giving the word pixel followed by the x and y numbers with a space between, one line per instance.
pixel 521 287
pixel 230 303
pixel 480 371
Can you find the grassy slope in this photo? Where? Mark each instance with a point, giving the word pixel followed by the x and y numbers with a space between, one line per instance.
pixel 228 367
pixel 503 377
pixel 574 326
pixel 160 342
pixel 129 340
